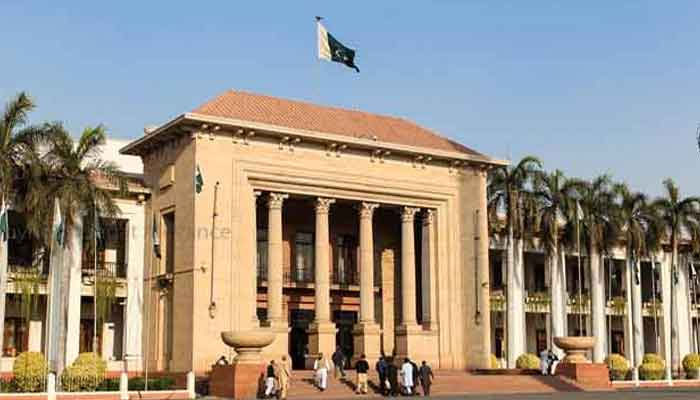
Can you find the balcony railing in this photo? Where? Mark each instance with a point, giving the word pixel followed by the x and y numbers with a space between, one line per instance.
pixel 346 277
pixel 299 276
pixel 110 269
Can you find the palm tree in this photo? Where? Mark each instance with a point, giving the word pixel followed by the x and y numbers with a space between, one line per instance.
pixel 556 207
pixel 679 215
pixel 18 144
pixel 597 201
pixel 634 219
pixel 507 192
pixel 84 185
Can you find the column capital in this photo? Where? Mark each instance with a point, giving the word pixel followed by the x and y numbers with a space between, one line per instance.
pixel 408 213
pixel 275 200
pixel 323 204
pixel 366 209
pixel 428 217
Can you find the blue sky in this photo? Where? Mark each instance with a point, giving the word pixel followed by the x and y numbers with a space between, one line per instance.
pixel 590 87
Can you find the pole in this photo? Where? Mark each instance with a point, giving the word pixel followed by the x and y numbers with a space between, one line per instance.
pixel 94 298
pixel 653 299
pixel 580 280
pixel 212 303
pixel 610 267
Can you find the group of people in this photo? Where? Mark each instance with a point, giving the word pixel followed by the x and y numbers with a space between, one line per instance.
pixel 277 377
pixel 392 380
pixel 547 360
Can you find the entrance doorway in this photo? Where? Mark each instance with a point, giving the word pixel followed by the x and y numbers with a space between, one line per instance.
pixel 299 338
pixel 344 322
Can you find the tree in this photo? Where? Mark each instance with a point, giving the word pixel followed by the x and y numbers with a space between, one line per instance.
pixel 84 184
pixel 507 192
pixel 597 202
pixel 679 215
pixel 18 146
pixel 556 209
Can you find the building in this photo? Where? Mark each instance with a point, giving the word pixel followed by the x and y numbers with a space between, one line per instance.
pixel 120 259
pixel 326 226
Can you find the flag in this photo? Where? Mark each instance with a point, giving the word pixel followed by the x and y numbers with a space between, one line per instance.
pixel 330 49
pixel 198 180
pixel 156 239
pixel 579 211
pixel 58 224
pixel 4 223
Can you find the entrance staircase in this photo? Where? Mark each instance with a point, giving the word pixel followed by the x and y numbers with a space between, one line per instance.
pixel 446 383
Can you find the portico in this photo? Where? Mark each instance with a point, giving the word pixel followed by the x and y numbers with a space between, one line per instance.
pixel 326 235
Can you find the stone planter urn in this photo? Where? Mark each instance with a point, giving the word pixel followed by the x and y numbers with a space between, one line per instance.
pixel 240 380
pixel 575 348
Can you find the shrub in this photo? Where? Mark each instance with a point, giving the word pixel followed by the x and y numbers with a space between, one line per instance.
pixel 85 374
pixel 527 361
pixel 651 358
pixel 30 371
pixel 651 371
pixel 619 367
pixel 108 385
pixel 495 363
pixel 164 383
pixel 8 385
pixel 691 363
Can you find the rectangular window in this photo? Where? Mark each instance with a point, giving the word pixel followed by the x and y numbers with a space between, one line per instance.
pixel 304 251
pixel 262 254
pixel 541 338
pixel 345 267
pixel 16 337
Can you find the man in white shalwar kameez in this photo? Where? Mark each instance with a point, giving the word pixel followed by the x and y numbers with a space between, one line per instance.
pixel 321 366
pixel 407 376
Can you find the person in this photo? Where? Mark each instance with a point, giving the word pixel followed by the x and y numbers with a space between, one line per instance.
pixel 407 376
pixel 321 366
pixel 426 377
pixel 283 377
pixel 544 361
pixel 381 368
pixel 552 359
pixel 339 363
pixel 414 387
pixel 392 377
pixel 270 380
pixel 361 368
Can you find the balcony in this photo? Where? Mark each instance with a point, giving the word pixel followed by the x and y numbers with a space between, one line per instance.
pixel 104 269
pixel 346 277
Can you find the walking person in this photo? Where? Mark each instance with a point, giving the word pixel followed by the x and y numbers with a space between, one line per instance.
pixel 392 377
pixel 284 374
pixel 339 363
pixel 426 377
pixel 416 378
pixel 381 367
pixel 544 361
pixel 270 381
pixel 361 368
pixel 552 359
pixel 321 366
pixel 407 376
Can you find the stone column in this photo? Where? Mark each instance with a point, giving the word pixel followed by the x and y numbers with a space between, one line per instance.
pixel 254 260
pixel 682 311
pixel 598 317
pixel 322 330
pixel 429 287
pixel 72 259
pixel 558 297
pixel 407 340
pixel 35 331
pixel 666 305
pixel 366 332
pixel 276 319
pixel 637 320
pixel 515 287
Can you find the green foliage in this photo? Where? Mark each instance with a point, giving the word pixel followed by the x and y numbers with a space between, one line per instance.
pixel 30 371
pixel 163 383
pixel 8 385
pixel 651 371
pixel 498 302
pixel 108 385
pixel 527 361
pixel 691 364
pixel 495 363
pixel 85 374
pixel 618 305
pixel 579 304
pixel 651 358
pixel 618 366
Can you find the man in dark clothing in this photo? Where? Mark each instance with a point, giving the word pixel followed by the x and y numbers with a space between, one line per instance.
pixel 426 377
pixel 551 358
pixel 415 377
pixel 361 367
pixel 393 377
pixel 381 368
pixel 338 359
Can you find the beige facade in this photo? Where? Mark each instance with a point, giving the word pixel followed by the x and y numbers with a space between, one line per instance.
pixel 417 214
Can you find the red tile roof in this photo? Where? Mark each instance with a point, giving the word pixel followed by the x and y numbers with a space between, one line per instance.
pixel 306 116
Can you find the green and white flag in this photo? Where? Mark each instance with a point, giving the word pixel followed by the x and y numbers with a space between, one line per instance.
pixel 330 49
pixel 58 224
pixel 198 180
pixel 4 223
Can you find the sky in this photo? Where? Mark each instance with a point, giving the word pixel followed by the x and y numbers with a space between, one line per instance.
pixel 589 87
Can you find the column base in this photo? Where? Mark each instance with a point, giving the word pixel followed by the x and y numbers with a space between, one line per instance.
pixel 366 339
pixel 280 346
pixel 409 341
pixel 321 340
pixel 236 381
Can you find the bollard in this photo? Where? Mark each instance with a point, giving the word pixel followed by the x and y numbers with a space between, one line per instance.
pixel 190 385
pixel 51 386
pixel 123 386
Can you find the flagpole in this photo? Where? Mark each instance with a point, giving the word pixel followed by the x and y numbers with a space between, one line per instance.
pixel 580 281
pixel 94 299
pixel 317 68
